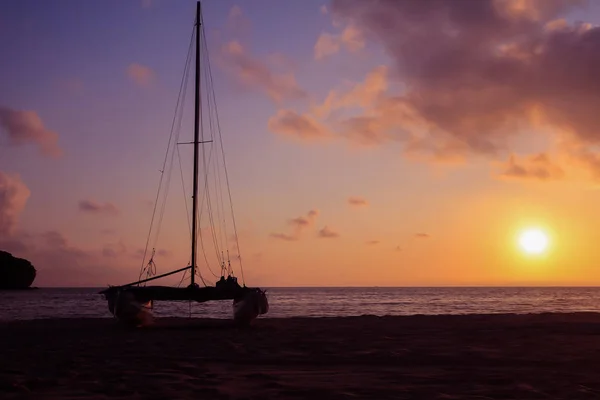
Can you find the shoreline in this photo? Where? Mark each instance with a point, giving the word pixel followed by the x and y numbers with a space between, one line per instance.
pixel 511 315
pixel 494 356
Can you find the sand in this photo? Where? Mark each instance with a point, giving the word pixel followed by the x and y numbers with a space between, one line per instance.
pixel 418 357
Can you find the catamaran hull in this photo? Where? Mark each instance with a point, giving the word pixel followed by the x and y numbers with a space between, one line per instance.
pixel 133 305
pixel 250 306
pixel 127 309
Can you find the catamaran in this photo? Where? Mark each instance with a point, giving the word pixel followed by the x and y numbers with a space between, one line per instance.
pixel 132 303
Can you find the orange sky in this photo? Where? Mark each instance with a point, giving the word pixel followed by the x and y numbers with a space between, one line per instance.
pixel 368 143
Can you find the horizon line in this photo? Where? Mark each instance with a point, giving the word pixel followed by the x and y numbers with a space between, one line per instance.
pixel 376 287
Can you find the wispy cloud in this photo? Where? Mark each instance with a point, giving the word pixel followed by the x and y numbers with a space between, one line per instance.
pixel 147 3
pixel 284 236
pixel 351 38
pixel 298 224
pixel 536 167
pixel 74 85
pixel 13 198
pixel 300 126
pixel 142 75
pixel 327 232
pixel 357 201
pixel 254 73
pixel 114 249
pixel 422 235
pixel 93 207
pixel 25 127
pixel 238 24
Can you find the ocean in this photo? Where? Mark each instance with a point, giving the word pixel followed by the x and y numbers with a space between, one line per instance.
pixel 318 302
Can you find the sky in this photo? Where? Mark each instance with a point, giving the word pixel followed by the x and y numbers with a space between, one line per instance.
pixel 368 143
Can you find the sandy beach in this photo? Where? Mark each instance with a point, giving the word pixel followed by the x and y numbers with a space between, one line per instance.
pixel 417 357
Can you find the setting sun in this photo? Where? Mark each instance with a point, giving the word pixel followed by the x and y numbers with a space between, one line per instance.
pixel 533 241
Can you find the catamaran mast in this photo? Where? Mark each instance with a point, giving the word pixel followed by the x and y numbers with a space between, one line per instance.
pixel 196 143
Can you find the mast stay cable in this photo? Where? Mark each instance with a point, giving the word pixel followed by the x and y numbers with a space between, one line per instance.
pixel 174 134
pixel 218 124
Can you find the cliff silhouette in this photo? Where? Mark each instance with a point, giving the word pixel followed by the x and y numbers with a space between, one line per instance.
pixel 15 273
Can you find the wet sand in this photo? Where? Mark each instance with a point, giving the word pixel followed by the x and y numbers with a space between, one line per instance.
pixel 418 357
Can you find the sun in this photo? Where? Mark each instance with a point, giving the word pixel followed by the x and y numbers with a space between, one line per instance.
pixel 533 241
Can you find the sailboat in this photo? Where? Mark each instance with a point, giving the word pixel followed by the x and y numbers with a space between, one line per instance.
pixel 132 303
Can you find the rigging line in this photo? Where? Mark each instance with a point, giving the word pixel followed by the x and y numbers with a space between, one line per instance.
pixel 205 256
pixel 215 174
pixel 218 185
pixel 200 235
pixel 223 236
pixel 182 278
pixel 206 169
pixel 199 219
pixel 197 270
pixel 187 212
pixel 210 213
pixel 169 175
pixel 208 199
pixel 210 123
pixel 209 207
pixel 166 153
pixel 224 164
pixel 206 172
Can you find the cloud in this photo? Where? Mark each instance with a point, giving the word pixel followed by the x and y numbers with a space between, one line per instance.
pixel 93 207
pixel 371 128
pixel 284 236
pixel 234 12
pixel 298 224
pixel 57 261
pixel 327 232
pixel 25 127
pixel 139 253
pixel 13 197
pixel 585 158
pixel 237 23
pixel 255 74
pixel 357 201
pixel 477 74
pixel 422 235
pixel 114 250
pixel 164 253
pixel 351 38
pixel 60 263
pixel 143 76
pixel 74 85
pixel 537 167
pixel 326 45
pixel 281 61
pixel 372 242
pixel 323 9
pixel 376 123
pixel 360 94
pixel 147 3
pixel 304 127
pixel 398 248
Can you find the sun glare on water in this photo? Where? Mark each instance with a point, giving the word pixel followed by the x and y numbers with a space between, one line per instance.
pixel 533 241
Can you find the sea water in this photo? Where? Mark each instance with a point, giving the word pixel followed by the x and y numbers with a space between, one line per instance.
pixel 318 302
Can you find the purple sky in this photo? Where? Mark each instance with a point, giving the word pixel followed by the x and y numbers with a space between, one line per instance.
pixel 104 77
